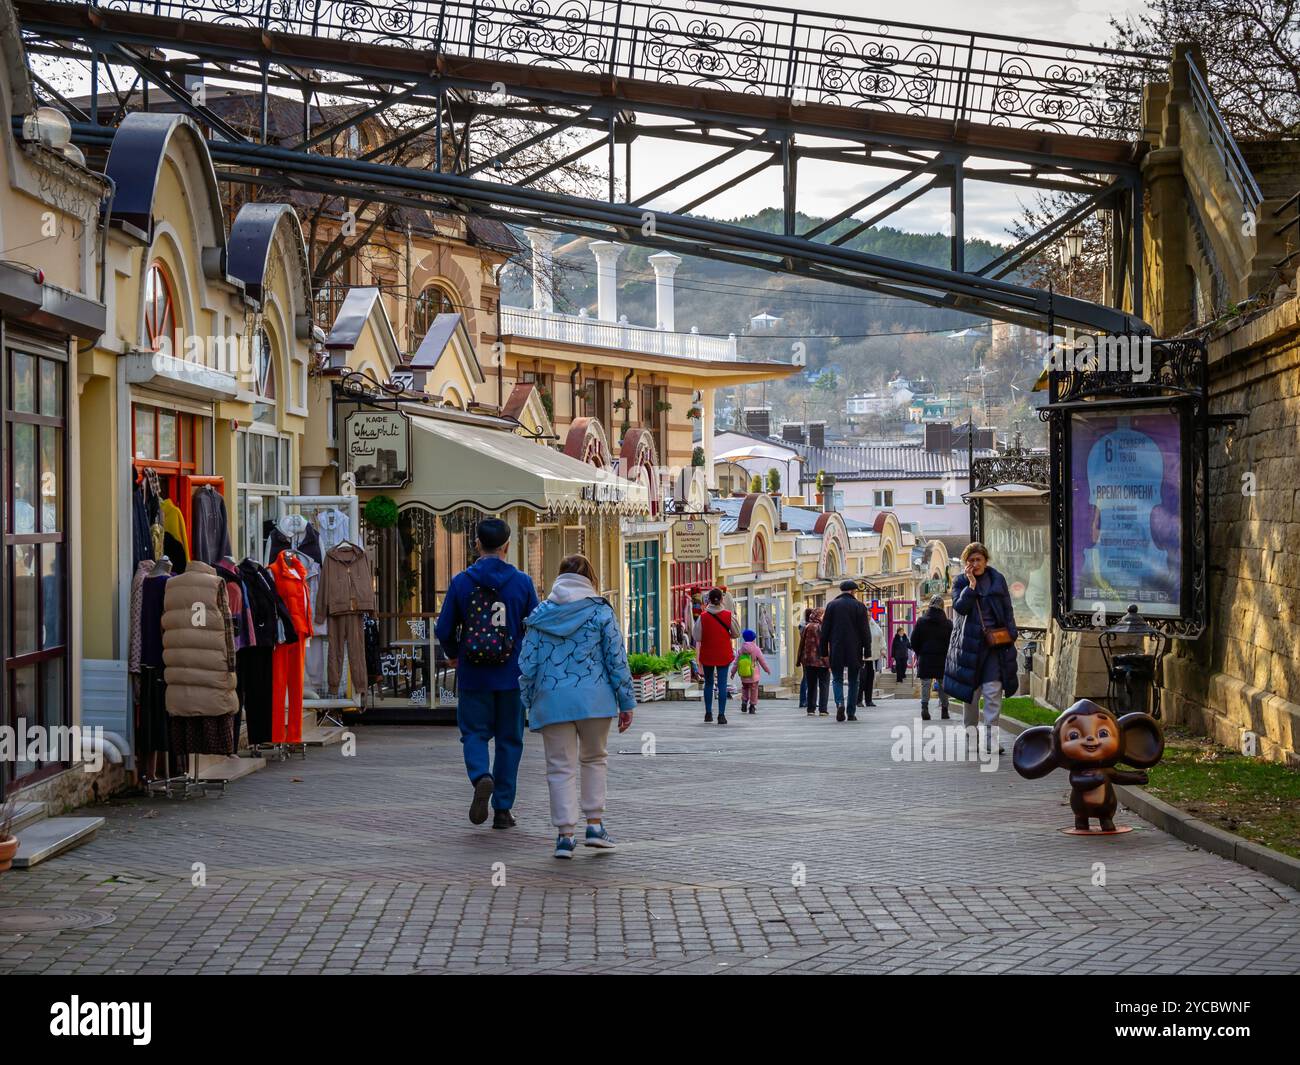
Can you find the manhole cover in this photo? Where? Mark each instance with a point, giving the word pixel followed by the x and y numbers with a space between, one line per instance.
pixel 18 922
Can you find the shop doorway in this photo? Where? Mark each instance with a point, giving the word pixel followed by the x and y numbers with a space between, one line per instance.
pixel 767 612
pixel 643 597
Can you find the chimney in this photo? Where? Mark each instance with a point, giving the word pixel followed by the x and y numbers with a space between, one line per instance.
pixel 665 264
pixel 984 439
pixel 817 434
pixel 793 433
pixel 542 242
pixel 606 253
pixel 758 421
pixel 938 437
pixel 828 493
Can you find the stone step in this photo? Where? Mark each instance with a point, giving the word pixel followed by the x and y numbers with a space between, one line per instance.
pixel 215 767
pixel 42 840
pixel 27 813
pixel 322 736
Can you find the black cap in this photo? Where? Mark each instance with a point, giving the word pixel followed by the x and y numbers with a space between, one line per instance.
pixel 493 534
pixel 848 586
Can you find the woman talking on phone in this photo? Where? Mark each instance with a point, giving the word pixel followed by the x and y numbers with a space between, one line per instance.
pixel 982 651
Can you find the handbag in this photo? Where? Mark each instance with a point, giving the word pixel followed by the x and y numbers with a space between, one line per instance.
pixel 999 637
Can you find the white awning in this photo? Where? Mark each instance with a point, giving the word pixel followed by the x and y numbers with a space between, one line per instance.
pixel 455 464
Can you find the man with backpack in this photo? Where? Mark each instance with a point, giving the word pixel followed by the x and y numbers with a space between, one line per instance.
pixel 481 628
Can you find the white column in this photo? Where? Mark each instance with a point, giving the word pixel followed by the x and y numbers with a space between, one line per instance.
pixel 665 264
pixel 542 242
pixel 706 436
pixel 606 253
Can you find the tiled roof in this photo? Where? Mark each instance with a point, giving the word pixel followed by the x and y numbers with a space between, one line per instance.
pixel 798 519
pixel 903 461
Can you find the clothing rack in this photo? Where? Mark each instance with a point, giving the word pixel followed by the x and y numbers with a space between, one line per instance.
pixel 328 709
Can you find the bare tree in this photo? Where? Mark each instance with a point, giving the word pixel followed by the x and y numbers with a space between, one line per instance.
pixel 1251 50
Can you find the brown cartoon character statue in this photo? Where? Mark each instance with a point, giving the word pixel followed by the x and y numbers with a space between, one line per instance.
pixel 1089 741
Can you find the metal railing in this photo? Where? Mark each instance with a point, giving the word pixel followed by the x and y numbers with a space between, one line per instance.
pixel 1289 213
pixel 802 56
pixel 1225 145
pixel 620 336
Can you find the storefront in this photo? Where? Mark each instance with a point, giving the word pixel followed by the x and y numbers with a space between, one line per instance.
pixel 49 227
pixel 445 470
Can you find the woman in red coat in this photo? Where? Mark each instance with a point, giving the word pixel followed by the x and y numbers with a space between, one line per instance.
pixel 816 666
pixel 715 633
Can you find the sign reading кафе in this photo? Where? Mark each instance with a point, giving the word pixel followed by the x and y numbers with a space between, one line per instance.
pixel 377 448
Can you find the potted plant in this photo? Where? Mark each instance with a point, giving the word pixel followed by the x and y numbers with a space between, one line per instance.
pixel 697 456
pixel 821 484
pixel 8 841
pixel 695 413
pixel 774 482
pixel 756 483
pixel 663 405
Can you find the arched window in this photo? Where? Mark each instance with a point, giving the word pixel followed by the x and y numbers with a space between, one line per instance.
pixel 832 563
pixel 758 553
pixel 159 310
pixel 887 560
pixel 264 378
pixel 430 303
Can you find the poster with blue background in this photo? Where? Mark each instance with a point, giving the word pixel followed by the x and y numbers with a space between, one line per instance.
pixel 1125 513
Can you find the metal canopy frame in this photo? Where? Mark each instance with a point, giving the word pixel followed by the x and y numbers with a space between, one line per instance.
pixel 776 89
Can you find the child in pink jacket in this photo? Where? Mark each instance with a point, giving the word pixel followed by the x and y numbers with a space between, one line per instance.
pixel 749 684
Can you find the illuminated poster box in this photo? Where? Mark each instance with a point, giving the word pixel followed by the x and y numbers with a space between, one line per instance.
pixel 1125 517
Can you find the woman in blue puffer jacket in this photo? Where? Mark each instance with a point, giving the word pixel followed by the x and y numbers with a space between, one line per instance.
pixel 573 678
pixel 981 601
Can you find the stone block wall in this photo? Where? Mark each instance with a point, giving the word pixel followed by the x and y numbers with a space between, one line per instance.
pixel 1243 675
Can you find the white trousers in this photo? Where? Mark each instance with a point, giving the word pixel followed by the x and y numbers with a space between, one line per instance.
pixel 992 692
pixel 570 745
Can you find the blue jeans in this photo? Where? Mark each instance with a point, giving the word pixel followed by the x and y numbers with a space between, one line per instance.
pixel 715 675
pixel 803 688
pixel 837 683
pixel 499 716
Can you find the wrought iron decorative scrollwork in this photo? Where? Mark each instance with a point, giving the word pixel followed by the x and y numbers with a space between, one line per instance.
pixel 776 52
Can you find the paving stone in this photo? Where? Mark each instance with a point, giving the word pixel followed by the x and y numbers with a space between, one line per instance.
pixel 370 864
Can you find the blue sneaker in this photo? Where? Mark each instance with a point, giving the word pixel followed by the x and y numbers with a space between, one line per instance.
pixel 565 846
pixel 598 837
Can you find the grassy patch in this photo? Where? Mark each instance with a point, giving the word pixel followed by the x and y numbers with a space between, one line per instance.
pixel 1257 800
pixel 1025 709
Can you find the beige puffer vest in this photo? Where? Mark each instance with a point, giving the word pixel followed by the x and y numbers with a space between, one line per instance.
pixel 198 645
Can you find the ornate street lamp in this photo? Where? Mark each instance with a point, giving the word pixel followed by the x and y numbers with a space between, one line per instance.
pixel 1132 673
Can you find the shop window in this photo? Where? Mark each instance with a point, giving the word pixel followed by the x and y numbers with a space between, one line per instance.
pixel 34 588
pixel 265 465
pixel 159 310
pixel 430 303
pixel 263 379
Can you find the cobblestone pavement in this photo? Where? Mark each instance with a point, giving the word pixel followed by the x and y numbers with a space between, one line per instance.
pixel 369 864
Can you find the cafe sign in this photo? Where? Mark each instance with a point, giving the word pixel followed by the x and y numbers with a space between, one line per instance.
pixel 690 541
pixel 377 448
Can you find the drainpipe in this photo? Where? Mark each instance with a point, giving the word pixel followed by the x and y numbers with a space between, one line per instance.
pixel 627 401
pixel 573 390
pixel 500 353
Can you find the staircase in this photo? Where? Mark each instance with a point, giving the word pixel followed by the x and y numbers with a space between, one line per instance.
pixel 41 837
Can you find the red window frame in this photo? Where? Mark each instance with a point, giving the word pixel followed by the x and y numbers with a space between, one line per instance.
pixel 156 316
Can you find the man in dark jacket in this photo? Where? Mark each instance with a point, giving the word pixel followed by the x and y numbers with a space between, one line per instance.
pixel 846 642
pixel 930 638
pixel 488 705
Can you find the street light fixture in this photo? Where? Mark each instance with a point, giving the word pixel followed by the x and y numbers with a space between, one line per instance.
pixel 1071 246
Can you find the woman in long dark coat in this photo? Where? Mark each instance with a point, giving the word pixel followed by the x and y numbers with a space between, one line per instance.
pixel 898 654
pixel 981 602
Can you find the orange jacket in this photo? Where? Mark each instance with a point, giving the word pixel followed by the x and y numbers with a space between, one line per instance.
pixel 291 584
